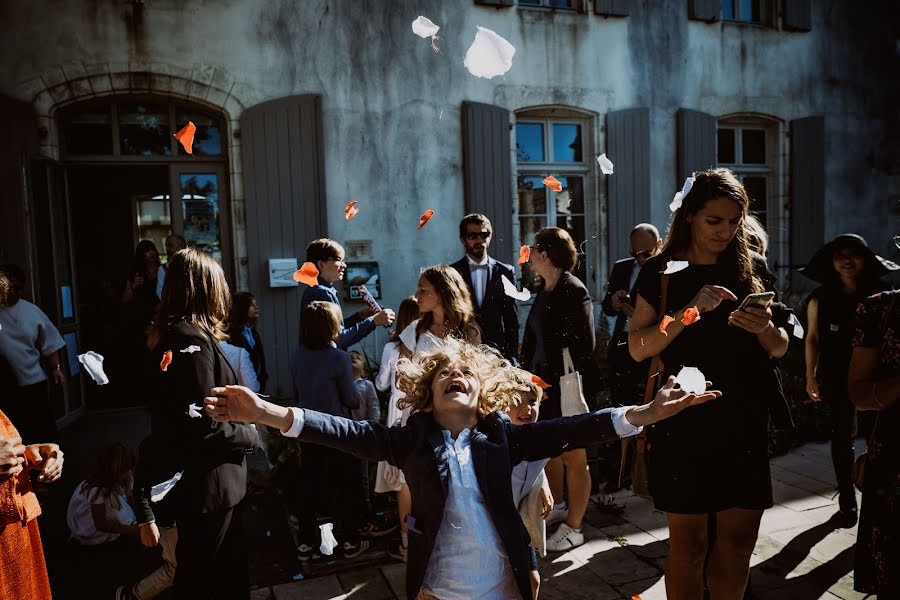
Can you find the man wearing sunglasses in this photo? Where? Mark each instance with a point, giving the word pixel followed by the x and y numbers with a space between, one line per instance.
pixel 495 312
pixel 619 303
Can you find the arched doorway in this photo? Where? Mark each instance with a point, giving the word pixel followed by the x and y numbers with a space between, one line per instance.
pixel 127 179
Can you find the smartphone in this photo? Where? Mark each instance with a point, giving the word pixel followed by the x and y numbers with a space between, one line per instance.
pixel 760 300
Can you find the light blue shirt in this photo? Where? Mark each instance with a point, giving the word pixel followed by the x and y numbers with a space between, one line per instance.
pixel 468 560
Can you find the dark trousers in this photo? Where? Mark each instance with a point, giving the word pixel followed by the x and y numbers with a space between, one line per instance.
pixel 211 556
pixel 843 433
pixel 28 407
pixel 627 381
pixel 330 483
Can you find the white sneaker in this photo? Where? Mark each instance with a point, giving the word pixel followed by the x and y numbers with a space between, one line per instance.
pixel 564 539
pixel 557 516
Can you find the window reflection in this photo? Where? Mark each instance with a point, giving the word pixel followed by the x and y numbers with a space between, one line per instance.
pixel 144 130
pixel 529 142
pixel 200 202
pixel 566 142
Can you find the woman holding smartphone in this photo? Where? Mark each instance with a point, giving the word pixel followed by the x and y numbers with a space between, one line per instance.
pixel 701 463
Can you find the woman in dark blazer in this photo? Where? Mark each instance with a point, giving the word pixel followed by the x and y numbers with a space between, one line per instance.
pixel 243 334
pixel 561 316
pixel 206 501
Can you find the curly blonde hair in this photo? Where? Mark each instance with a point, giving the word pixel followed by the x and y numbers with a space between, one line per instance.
pixel 415 376
pixel 517 385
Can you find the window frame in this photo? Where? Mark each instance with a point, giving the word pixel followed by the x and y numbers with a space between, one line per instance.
pixel 547 117
pixel 544 5
pixel 767 13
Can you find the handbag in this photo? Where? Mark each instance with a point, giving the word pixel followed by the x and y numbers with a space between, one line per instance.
pixel 640 470
pixel 571 389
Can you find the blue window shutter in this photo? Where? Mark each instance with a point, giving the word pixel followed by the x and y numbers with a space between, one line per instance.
pixel 807 188
pixel 705 10
pixel 628 191
pixel 612 8
pixel 796 15
pixel 696 133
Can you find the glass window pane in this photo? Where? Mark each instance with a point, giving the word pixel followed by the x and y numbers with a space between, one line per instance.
pixel 207 139
pixel 200 202
pixel 144 130
pixel 89 132
pixel 561 3
pixel 727 10
pixel 154 221
pixel 725 150
pixel 575 226
pixel 566 142
pixel 529 142
pixel 753 146
pixel 532 2
pixel 756 189
pixel 571 199
pixel 532 196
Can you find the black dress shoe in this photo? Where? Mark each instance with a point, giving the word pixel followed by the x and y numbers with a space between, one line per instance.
pixel 847 517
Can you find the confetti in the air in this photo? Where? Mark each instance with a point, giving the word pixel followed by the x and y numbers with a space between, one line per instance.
pixel 424 28
pixel 798 328
pixel 424 218
pixel 541 383
pixel 308 274
pixel 553 183
pixel 510 290
pixel 190 349
pixel 159 491
pixel 166 360
pixel 524 255
pixel 673 266
pixel 680 196
pixel 350 210
pixel 606 166
pixel 662 326
pixel 93 364
pixel 691 380
pixel 691 316
pixel 489 55
pixel 186 137
pixel 194 411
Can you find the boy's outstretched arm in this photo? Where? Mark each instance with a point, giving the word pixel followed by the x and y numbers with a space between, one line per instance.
pixel 363 439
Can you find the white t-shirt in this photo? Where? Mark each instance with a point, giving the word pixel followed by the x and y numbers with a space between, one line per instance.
pixel 26 335
pixel 81 521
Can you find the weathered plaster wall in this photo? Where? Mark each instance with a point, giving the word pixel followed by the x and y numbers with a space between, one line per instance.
pixel 391 106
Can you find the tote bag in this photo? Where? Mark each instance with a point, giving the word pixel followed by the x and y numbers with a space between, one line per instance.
pixel 571 389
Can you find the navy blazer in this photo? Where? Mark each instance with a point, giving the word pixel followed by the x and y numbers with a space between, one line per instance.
pixel 497 446
pixel 323 380
pixel 619 279
pixel 498 315
pixel 353 329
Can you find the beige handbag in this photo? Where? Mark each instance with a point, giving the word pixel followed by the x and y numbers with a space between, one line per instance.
pixel 571 389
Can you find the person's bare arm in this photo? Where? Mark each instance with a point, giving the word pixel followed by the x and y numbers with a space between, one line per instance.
pixel 866 392
pixel 811 348
pixel 98 512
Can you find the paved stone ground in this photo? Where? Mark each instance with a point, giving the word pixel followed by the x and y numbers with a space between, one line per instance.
pixel 800 554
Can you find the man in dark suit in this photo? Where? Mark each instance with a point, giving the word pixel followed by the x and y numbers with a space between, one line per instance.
pixel 495 312
pixel 625 373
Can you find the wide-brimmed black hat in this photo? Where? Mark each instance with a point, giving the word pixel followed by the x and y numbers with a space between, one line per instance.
pixel 821 267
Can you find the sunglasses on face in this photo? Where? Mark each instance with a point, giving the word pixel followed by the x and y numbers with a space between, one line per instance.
pixel 477 235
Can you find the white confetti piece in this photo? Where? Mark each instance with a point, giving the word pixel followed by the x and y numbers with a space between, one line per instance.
pixel 93 364
pixel 329 543
pixel 489 55
pixel 606 166
pixel 673 266
pixel 691 380
pixel 424 27
pixel 190 349
pixel 680 196
pixel 194 411
pixel 510 290
pixel 798 328
pixel 159 491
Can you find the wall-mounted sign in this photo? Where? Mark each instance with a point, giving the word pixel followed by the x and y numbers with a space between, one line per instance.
pixel 362 273
pixel 281 272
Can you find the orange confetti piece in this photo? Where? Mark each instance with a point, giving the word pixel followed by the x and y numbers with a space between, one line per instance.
pixel 166 361
pixel 524 255
pixel 186 137
pixel 350 210
pixel 553 183
pixel 665 323
pixel 543 384
pixel 636 597
pixel 691 316
pixel 424 219
pixel 308 274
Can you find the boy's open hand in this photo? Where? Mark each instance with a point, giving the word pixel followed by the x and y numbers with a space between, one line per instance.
pixel 669 401
pixel 234 403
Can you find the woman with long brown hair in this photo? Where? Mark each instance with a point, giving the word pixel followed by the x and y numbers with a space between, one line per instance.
pixel 710 460
pixel 210 456
pixel 446 308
